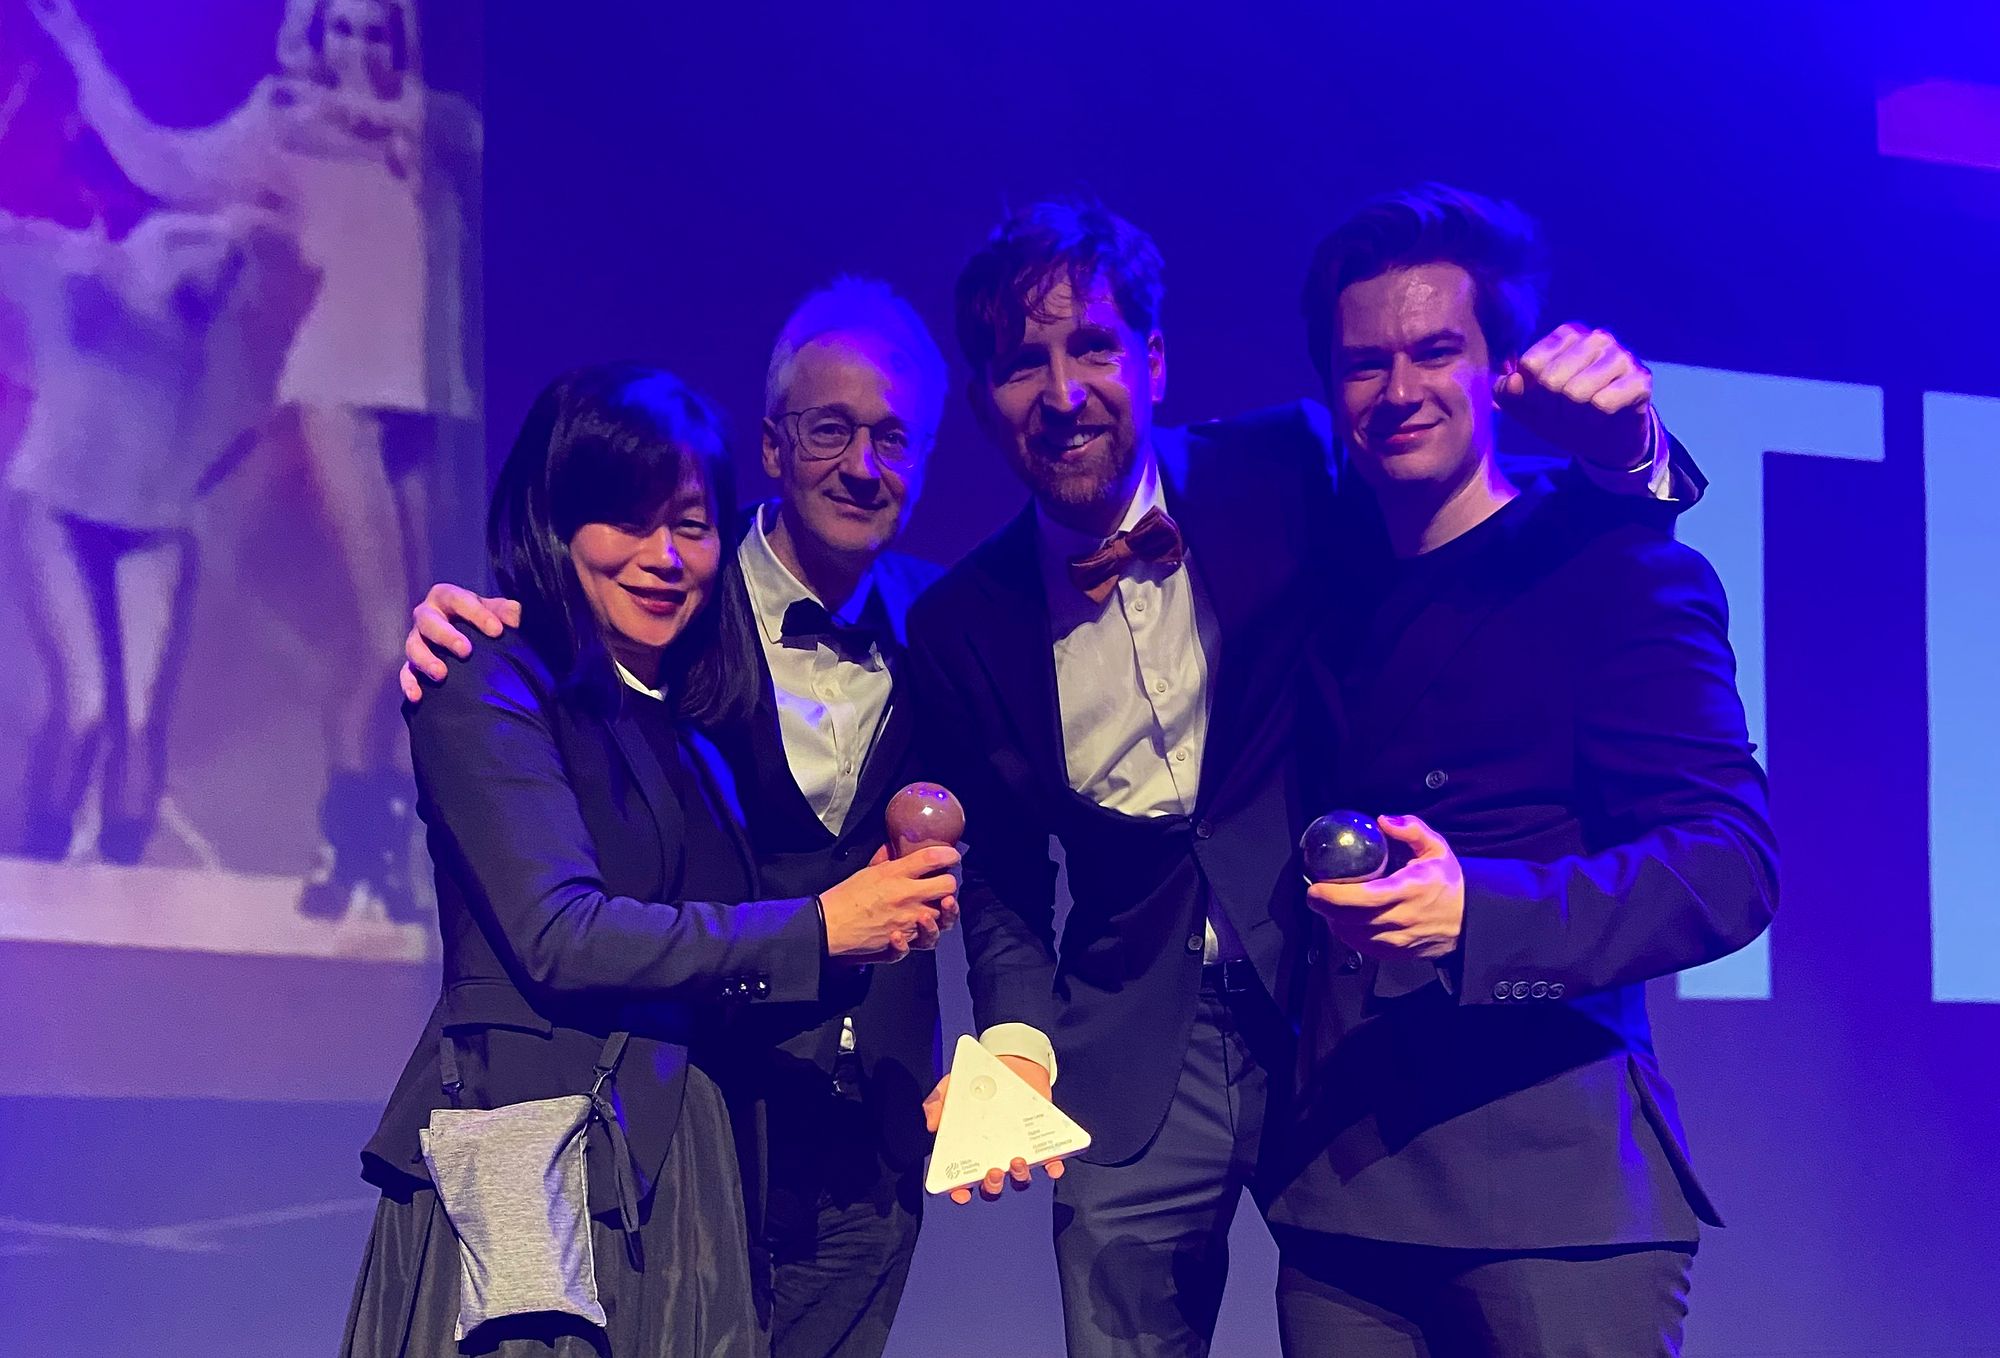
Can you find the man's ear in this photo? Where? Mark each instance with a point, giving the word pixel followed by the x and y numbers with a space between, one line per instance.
pixel 774 450
pixel 1156 366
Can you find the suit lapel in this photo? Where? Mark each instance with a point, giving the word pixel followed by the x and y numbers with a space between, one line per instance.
pixel 650 781
pixel 892 743
pixel 720 784
pixel 1207 502
pixel 1012 642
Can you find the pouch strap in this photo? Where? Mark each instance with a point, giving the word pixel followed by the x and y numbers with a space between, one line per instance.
pixel 448 1073
pixel 623 1178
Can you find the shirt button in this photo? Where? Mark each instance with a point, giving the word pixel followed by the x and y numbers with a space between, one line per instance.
pixel 1138 605
pixel 1159 686
pixel 1436 779
pixel 1180 756
pixel 1194 943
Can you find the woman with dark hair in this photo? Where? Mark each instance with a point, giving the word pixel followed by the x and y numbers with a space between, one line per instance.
pixel 586 844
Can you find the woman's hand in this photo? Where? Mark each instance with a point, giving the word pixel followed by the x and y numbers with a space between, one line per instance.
pixel 891 906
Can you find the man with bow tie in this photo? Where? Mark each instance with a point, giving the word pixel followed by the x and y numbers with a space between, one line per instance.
pixel 1117 669
pixel 816 602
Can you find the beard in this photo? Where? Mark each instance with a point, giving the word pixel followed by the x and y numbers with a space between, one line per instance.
pixel 1088 482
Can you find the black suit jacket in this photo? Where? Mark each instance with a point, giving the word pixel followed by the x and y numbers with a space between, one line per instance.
pixel 557 844
pixel 1255 506
pixel 896 1023
pixel 1560 705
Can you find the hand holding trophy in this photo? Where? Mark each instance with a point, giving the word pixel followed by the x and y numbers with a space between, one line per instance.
pixel 992 1114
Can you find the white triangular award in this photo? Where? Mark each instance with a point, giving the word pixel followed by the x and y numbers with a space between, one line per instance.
pixel 993 1118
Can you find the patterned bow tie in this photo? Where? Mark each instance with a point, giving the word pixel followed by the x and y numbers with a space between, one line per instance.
pixel 1155 538
pixel 807 619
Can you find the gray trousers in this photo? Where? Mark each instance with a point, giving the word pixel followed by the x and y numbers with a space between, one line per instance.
pixel 1142 1247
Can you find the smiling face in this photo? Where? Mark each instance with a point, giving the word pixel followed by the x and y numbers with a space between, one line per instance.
pixel 1412 377
pixel 854 502
pixel 647 581
pixel 1071 404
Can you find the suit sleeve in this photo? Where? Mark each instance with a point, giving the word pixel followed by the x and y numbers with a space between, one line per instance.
pixel 1007 903
pixel 1655 494
pixel 502 815
pixel 1669 784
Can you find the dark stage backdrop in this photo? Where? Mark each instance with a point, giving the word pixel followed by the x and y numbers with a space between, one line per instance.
pixel 663 181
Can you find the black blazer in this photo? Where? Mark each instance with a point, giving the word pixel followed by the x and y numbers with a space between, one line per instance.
pixel 1254 504
pixel 896 1022
pixel 1560 705
pixel 558 845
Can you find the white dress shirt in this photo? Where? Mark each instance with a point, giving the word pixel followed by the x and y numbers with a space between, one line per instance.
pixel 1132 689
pixel 831 705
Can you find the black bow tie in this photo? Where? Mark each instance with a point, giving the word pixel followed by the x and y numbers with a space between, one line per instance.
pixel 807 619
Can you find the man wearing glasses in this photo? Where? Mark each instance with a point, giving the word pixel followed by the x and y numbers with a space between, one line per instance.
pixel 853 395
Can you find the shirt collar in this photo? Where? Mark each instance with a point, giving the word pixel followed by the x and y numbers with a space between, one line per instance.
pixel 1065 544
pixel 631 681
pixel 773 588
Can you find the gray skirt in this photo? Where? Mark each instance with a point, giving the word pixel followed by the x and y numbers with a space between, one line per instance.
pixel 694 1295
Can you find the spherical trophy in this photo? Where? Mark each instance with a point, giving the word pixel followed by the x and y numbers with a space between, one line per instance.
pixel 921 814
pixel 1344 846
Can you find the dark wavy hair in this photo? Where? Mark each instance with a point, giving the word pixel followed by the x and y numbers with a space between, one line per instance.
pixel 611 444
pixel 1063 240
pixel 1493 241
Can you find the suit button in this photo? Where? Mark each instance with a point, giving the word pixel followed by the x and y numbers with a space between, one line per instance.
pixel 1501 990
pixel 841 853
pixel 1194 943
pixel 1436 779
pixel 1351 963
pixel 1555 990
pixel 1521 990
pixel 1539 990
pixel 763 988
pixel 1203 829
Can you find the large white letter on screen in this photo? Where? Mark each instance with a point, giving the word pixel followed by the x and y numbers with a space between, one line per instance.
pixel 1729 420
pixel 1962 620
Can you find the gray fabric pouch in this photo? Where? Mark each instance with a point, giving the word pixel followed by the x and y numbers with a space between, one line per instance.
pixel 513 1184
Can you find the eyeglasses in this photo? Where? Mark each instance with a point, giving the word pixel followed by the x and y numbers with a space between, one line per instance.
pixel 823 433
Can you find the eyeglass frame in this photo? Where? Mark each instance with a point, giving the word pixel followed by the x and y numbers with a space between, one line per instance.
pixel 792 421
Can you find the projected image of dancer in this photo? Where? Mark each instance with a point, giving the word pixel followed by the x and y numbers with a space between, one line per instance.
pixel 154 358
pixel 372 171
pixel 141 352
